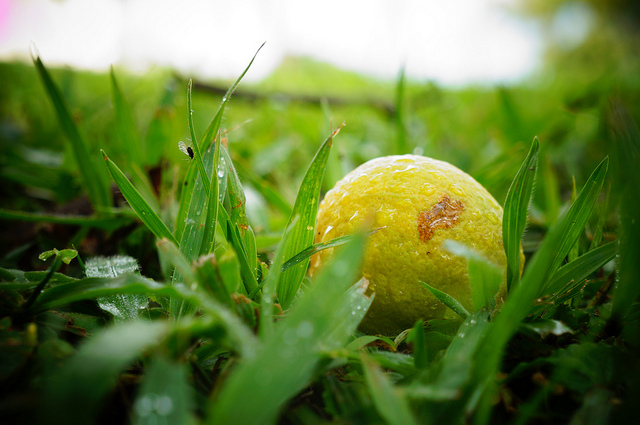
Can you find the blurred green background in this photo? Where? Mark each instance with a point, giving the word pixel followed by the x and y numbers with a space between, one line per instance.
pixel 276 125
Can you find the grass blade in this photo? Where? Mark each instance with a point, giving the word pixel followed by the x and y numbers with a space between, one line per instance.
pixel 322 320
pixel 165 395
pixel 196 149
pixel 448 300
pixel 94 180
pixel 626 138
pixel 388 400
pixel 93 370
pixel 307 253
pixel 306 208
pixel 516 207
pixel 142 209
pixel 519 304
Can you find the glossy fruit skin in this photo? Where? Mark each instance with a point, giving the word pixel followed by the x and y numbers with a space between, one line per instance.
pixel 416 203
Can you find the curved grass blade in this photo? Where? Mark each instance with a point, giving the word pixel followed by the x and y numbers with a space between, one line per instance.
pixel 516 207
pixel 448 300
pixel 484 276
pixel 95 181
pixel 576 218
pixel 568 277
pixel 307 253
pixel 94 369
pixel 306 207
pixel 323 319
pixel 144 211
pixel 389 400
pixel 93 287
pixel 165 395
pixel 626 139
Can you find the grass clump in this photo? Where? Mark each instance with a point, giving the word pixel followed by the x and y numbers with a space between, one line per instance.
pixel 186 299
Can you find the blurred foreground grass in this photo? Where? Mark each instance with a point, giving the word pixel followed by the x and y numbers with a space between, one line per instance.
pixel 159 321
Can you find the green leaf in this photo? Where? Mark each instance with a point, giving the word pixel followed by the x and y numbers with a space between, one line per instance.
pixel 66 255
pixel 389 400
pixel 516 207
pixel 95 181
pixel 124 307
pixel 306 208
pixel 448 300
pixel 93 371
pixel 139 205
pixel 105 223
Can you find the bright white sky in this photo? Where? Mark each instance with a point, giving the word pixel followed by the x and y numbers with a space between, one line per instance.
pixel 449 41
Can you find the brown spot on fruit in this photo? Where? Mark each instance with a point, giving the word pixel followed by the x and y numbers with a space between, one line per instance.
pixel 443 215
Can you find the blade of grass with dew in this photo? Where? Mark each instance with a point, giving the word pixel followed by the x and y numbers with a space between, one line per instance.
pixel 455 368
pixel 323 319
pixel 124 307
pixel 307 253
pixel 211 221
pixel 571 275
pixel 207 138
pixel 191 241
pixel 306 207
pixel 270 284
pixel 206 184
pixel 388 399
pixel 95 181
pixel 516 207
pixel 626 138
pixel 519 303
pixel 142 209
pixel 446 299
pixel 130 142
pixel 243 340
pixel 484 276
pixel 237 211
pixel 165 396
pixel 94 369
pixel 578 216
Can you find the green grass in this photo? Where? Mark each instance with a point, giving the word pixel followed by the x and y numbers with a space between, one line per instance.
pixel 182 294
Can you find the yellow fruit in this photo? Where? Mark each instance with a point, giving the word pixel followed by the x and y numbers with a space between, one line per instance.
pixel 417 203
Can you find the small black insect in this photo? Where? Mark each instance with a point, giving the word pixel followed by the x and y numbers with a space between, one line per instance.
pixel 185 149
